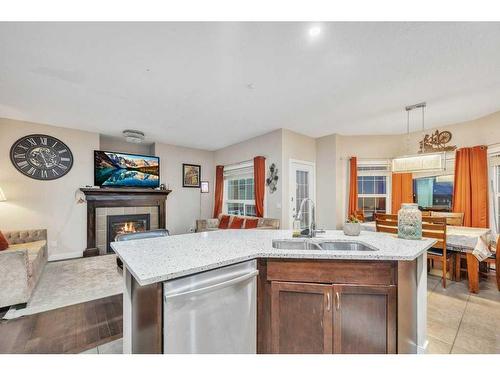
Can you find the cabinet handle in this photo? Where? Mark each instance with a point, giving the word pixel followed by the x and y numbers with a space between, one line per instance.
pixel 328 303
pixel 337 297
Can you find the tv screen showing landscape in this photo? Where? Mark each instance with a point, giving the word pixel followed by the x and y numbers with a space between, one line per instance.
pixel 114 169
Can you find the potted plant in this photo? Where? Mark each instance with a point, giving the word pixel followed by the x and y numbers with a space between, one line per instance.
pixel 352 226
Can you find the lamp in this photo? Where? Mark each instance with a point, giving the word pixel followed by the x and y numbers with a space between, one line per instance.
pixel 2 196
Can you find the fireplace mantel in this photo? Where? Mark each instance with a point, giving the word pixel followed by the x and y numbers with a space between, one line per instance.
pixel 119 197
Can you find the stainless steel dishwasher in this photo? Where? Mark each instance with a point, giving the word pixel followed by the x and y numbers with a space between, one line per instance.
pixel 212 312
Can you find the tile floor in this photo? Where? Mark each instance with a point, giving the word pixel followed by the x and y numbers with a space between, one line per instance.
pixel 462 323
pixel 457 322
pixel 113 347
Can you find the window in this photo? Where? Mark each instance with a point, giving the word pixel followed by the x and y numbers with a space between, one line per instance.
pixel 239 195
pixel 434 192
pixel 373 188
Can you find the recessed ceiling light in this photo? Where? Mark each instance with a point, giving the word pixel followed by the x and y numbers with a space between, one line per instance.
pixel 314 31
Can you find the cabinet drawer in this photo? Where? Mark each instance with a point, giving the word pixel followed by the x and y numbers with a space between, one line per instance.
pixel 333 271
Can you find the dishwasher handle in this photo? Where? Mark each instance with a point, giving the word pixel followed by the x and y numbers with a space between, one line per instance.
pixel 211 288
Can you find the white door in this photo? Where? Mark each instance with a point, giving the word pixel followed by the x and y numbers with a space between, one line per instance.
pixel 302 185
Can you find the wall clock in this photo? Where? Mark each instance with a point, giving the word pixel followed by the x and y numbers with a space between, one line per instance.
pixel 41 157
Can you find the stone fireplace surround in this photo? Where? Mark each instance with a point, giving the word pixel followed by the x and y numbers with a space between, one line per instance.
pixel 103 214
pixel 120 201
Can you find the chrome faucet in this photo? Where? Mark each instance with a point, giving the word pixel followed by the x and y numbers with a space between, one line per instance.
pixel 312 231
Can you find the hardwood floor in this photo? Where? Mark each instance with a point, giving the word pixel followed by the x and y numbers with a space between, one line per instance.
pixel 70 329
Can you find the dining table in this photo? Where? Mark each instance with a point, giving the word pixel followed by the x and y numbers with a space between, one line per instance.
pixel 473 242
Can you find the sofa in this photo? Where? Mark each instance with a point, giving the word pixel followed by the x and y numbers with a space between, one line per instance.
pixel 21 265
pixel 207 225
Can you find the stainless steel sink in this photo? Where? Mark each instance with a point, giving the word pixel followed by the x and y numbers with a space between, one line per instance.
pixel 300 244
pixel 344 246
pixel 306 244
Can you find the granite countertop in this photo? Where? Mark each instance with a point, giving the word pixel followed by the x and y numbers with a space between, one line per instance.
pixel 164 258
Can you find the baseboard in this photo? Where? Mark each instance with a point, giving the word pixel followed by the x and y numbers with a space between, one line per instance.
pixel 423 349
pixel 63 256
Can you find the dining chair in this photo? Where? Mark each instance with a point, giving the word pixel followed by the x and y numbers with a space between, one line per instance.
pixel 140 236
pixel 495 259
pixel 452 218
pixel 435 228
pixel 387 223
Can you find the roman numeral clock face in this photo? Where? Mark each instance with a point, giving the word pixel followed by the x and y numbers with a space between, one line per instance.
pixel 41 157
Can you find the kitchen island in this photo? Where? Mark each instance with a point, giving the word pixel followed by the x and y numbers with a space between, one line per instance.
pixel 369 298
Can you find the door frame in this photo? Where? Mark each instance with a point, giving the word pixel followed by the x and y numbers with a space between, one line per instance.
pixel 291 182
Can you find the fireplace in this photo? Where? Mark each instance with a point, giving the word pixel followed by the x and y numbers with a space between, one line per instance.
pixel 119 224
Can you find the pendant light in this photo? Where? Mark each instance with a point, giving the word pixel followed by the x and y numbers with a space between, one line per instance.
pixel 420 162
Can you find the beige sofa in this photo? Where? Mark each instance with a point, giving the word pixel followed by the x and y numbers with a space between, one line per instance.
pixel 207 225
pixel 21 265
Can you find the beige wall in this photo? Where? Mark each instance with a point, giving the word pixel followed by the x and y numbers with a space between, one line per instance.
pixel 183 204
pixel 47 204
pixel 270 146
pixel 485 130
pixel 52 205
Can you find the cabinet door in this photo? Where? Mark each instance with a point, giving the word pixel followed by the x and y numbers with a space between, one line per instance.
pixel 364 319
pixel 301 318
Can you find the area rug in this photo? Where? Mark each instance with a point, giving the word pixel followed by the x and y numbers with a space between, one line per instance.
pixel 69 282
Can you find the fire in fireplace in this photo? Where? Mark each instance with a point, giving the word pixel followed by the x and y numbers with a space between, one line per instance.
pixel 119 224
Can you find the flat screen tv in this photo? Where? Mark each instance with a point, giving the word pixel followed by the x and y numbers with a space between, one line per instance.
pixel 117 169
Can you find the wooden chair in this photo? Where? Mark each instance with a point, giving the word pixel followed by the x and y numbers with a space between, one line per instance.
pixel 387 223
pixel 434 228
pixel 452 218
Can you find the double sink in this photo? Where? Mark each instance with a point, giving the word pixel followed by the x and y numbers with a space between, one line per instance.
pixel 309 244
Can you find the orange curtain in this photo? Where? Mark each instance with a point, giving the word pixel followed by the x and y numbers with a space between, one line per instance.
pixel 402 190
pixel 219 190
pixel 470 191
pixel 353 186
pixel 259 176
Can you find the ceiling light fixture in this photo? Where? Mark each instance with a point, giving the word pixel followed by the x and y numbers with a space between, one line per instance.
pixel 133 136
pixel 314 31
pixel 422 162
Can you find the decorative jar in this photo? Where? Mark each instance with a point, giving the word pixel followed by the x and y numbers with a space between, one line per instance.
pixel 410 222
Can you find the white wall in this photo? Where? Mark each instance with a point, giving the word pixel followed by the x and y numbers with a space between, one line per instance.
pixel 183 204
pixel 268 145
pixel 36 204
pixel 118 144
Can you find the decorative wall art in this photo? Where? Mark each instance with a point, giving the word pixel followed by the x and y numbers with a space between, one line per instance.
pixel 41 157
pixel 272 179
pixel 191 175
pixel 436 142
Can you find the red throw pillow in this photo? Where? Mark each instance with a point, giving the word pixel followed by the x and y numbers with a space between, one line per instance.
pixel 224 222
pixel 251 223
pixel 4 245
pixel 237 222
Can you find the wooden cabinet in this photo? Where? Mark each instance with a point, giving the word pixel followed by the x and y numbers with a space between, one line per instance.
pixel 364 319
pixel 301 318
pixel 325 315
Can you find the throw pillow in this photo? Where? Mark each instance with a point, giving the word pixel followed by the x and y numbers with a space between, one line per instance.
pixel 237 222
pixel 4 245
pixel 224 222
pixel 251 223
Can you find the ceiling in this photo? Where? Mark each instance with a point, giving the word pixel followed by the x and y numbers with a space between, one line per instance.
pixel 209 85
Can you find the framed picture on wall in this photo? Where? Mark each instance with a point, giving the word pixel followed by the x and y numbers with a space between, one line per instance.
pixel 191 175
